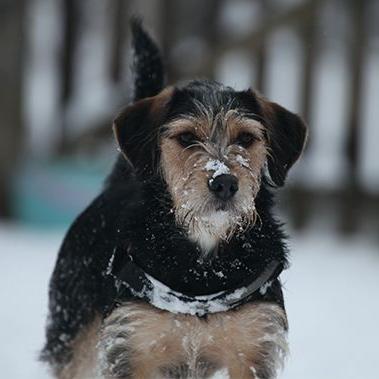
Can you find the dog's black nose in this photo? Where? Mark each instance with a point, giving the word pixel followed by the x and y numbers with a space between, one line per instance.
pixel 224 186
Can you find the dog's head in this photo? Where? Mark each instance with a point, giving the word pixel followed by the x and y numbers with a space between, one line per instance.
pixel 211 145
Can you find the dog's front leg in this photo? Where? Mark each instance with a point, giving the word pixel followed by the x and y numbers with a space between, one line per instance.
pixel 251 341
pixel 136 342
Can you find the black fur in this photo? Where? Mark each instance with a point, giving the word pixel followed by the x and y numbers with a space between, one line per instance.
pixel 133 212
pixel 149 79
pixel 148 69
pixel 286 134
pixel 213 96
pixel 137 216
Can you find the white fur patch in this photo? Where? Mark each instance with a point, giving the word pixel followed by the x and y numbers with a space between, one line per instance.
pixel 210 229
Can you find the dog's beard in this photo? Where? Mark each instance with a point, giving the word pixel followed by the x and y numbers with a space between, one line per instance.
pixel 208 222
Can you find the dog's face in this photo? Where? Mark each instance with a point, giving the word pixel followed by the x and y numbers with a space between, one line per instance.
pixel 212 159
pixel 211 145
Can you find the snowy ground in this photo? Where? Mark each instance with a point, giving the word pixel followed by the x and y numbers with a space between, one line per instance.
pixel 331 294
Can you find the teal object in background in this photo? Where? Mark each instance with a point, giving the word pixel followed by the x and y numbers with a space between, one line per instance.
pixel 52 194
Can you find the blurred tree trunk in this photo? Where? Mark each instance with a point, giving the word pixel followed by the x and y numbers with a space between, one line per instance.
pixel 308 31
pixel 357 48
pixel 70 11
pixel 211 34
pixel 11 141
pixel 266 8
pixel 119 33
pixel 168 17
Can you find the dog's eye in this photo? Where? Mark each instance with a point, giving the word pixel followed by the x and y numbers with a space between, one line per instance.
pixel 245 139
pixel 187 139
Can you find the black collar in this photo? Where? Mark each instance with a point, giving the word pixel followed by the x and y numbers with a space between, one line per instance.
pixel 140 284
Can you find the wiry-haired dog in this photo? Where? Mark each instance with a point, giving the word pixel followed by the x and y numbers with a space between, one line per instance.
pixel 172 272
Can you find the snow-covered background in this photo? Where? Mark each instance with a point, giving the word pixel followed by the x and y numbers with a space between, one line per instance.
pixel 331 292
pixel 332 287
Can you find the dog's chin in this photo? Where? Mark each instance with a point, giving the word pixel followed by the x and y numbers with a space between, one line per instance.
pixel 218 224
pixel 222 207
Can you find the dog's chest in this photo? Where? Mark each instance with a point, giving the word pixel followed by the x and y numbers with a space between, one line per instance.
pixel 140 341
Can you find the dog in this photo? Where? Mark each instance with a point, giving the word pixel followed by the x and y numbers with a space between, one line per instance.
pixel 173 270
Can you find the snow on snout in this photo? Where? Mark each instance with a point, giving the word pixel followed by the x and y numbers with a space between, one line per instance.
pixel 219 168
pixel 242 161
pixel 221 374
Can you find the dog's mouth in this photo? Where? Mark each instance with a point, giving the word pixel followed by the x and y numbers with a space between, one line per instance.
pixel 215 206
pixel 221 207
pixel 236 207
pixel 230 208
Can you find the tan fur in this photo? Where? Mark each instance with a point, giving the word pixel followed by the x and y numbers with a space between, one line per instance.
pixel 84 364
pixel 187 179
pixel 159 102
pixel 152 106
pixel 250 339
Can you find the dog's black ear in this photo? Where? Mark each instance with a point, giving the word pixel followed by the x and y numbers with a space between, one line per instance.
pixel 286 135
pixel 136 130
pixel 148 70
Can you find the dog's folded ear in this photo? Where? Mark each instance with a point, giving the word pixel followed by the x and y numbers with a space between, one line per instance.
pixel 286 135
pixel 136 130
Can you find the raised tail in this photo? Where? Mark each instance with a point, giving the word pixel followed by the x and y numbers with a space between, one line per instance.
pixel 148 69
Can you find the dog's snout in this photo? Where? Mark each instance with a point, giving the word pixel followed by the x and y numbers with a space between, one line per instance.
pixel 224 186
